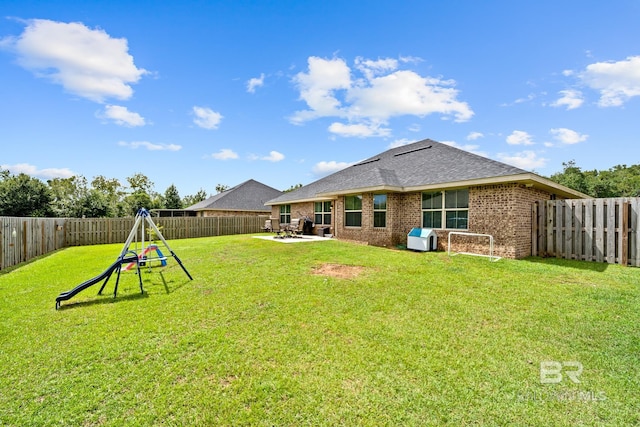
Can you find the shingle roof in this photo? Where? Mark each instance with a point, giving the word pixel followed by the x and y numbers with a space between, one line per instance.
pixel 422 163
pixel 251 195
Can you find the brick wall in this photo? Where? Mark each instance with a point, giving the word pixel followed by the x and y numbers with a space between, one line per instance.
pixel 504 211
pixel 299 211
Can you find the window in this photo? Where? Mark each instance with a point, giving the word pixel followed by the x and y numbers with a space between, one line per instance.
pixel 379 210
pixel 322 213
pixel 450 207
pixel 457 208
pixel 285 214
pixel 432 210
pixel 353 211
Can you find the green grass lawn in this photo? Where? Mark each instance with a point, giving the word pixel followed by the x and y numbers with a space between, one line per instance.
pixel 258 339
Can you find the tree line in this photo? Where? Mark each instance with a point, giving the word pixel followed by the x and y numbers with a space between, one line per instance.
pixel 74 197
pixel 618 181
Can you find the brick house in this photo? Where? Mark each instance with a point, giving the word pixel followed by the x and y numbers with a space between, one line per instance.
pixel 425 184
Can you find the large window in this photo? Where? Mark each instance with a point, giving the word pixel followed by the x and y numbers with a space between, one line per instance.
pixel 456 204
pixel 322 213
pixel 379 210
pixel 432 210
pixel 353 211
pixel 285 214
pixel 450 208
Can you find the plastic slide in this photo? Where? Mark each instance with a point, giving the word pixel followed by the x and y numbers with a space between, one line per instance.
pixel 64 296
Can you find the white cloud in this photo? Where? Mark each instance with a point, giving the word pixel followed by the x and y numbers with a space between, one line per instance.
pixel 472 148
pixel 371 68
pixel 570 98
pixel 318 86
pixel 406 93
pixel 519 137
pixel 474 135
pixel 528 98
pixel 31 170
pixel 568 136
pixel 206 118
pixel 414 128
pixel 88 63
pixel 360 130
pixel 225 154
pixel 380 92
pixel 524 160
pixel 150 146
pixel 122 116
pixel 274 156
pixel 326 168
pixel 255 82
pixel 411 59
pixel 617 82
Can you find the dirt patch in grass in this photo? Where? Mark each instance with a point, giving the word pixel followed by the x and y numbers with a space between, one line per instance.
pixel 339 270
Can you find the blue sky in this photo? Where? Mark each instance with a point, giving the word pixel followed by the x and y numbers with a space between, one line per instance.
pixel 200 93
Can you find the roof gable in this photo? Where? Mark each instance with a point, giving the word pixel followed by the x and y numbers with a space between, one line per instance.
pixel 251 195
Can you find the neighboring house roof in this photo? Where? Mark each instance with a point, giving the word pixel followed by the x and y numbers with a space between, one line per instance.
pixel 251 195
pixel 420 166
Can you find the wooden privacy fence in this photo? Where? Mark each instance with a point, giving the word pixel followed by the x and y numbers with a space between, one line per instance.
pixel 602 230
pixel 24 238
pixel 81 232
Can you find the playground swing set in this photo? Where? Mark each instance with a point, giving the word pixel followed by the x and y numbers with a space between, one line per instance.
pixel 129 258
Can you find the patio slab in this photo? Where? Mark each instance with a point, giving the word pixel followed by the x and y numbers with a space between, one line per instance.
pixel 300 239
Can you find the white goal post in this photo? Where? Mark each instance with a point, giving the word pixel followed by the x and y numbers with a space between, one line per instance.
pixel 462 233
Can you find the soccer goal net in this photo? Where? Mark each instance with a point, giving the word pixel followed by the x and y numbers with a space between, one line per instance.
pixel 480 237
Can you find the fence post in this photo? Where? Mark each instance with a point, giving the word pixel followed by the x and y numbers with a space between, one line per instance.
pixel 624 233
pixel 588 230
pixel 599 223
pixel 550 227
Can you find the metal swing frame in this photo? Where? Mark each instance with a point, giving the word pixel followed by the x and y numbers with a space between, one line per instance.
pixel 142 217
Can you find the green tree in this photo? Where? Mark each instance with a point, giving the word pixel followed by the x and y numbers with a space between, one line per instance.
pixel 142 194
pixel 221 187
pixel 293 187
pixel 618 181
pixel 572 177
pixel 22 195
pixel 94 204
pixel 195 198
pixel 627 180
pixel 67 194
pixel 139 182
pixel 113 193
pixel 137 200
pixel 172 198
